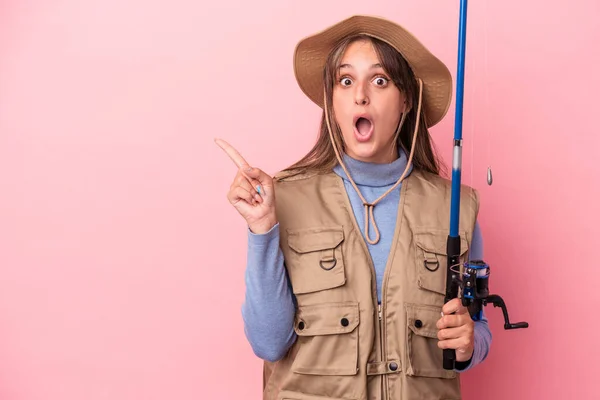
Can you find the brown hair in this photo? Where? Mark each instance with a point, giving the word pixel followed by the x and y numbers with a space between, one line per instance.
pixel 321 158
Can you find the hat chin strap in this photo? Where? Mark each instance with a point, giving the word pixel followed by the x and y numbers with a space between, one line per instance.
pixel 369 217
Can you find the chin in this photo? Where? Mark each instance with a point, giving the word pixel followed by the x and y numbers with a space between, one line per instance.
pixel 368 152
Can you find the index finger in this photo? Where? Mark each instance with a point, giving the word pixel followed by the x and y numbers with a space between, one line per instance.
pixel 235 156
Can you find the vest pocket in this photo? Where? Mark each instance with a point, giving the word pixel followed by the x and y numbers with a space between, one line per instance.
pixel 327 339
pixel 423 355
pixel 315 261
pixel 431 259
pixel 289 395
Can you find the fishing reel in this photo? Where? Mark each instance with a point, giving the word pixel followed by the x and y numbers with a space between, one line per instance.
pixel 474 287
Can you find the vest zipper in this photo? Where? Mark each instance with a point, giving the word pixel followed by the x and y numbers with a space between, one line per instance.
pixel 381 331
pixel 380 315
pixel 384 377
pixel 388 266
pixel 363 242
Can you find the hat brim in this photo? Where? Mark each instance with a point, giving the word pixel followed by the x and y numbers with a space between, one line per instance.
pixel 311 54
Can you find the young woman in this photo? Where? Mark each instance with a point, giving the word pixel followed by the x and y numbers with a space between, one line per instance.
pixel 347 247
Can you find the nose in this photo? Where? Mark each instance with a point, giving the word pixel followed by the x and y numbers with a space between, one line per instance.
pixel 360 96
pixel 362 101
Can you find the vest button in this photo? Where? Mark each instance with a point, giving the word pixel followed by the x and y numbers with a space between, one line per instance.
pixel 418 323
pixel 345 322
pixel 393 366
pixel 301 325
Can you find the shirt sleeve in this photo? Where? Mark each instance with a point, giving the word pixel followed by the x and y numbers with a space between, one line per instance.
pixel 269 307
pixel 483 334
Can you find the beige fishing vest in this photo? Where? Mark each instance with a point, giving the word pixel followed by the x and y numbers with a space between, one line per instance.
pixel 347 347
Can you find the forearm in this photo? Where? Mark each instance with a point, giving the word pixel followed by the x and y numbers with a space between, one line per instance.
pixel 268 310
pixel 481 345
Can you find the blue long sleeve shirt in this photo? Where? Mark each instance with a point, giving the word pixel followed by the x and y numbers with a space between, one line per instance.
pixel 269 307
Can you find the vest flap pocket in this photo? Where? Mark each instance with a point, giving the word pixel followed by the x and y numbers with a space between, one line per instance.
pixel 315 239
pixel 431 258
pixel 289 395
pixel 327 341
pixel 424 356
pixel 435 242
pixel 314 260
pixel 422 320
pixel 327 319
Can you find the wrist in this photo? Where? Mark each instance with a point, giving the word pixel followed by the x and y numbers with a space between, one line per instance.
pixel 464 357
pixel 263 226
pixel 462 365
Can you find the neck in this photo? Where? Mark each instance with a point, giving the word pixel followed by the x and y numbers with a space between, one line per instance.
pixel 372 173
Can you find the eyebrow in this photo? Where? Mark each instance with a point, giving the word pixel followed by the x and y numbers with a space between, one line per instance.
pixel 350 66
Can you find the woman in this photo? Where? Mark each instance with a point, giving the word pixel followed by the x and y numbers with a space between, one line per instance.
pixel 346 259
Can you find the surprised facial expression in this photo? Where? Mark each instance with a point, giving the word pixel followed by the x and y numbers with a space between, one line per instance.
pixel 367 104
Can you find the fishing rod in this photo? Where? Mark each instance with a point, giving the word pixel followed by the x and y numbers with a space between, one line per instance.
pixel 472 280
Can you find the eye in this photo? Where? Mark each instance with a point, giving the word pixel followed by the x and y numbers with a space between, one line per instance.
pixel 345 81
pixel 381 81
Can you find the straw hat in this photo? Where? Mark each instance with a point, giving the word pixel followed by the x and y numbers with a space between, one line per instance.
pixel 311 54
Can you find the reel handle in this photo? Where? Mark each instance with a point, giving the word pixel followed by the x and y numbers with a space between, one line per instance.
pixel 498 301
pixel 517 325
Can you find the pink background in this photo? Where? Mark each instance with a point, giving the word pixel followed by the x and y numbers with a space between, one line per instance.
pixel 121 262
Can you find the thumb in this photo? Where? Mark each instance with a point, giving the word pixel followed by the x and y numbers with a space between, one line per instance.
pixel 454 306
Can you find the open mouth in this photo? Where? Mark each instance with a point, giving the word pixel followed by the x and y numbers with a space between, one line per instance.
pixel 363 129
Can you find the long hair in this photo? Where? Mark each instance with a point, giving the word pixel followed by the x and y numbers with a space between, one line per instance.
pixel 321 158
